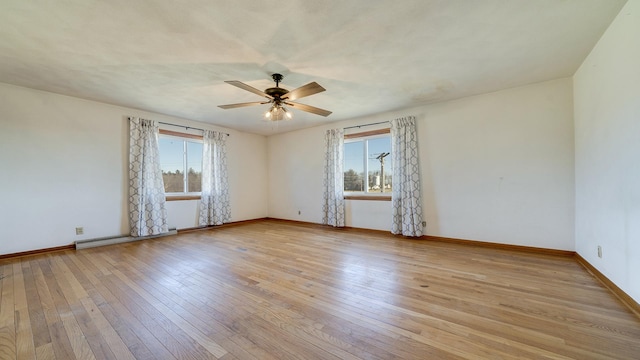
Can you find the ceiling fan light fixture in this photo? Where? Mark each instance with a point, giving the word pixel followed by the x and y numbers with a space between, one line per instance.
pixel 277 112
pixel 287 114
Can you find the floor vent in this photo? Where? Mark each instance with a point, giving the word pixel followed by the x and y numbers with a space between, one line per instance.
pixel 110 240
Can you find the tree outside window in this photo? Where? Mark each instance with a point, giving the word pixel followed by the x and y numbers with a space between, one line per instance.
pixel 181 164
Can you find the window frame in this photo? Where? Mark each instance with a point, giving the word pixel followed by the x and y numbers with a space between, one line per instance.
pixel 185 137
pixel 363 136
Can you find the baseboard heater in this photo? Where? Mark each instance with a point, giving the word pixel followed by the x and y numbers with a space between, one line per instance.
pixel 110 240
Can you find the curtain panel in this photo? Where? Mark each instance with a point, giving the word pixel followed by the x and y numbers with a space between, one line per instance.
pixel 214 204
pixel 406 202
pixel 147 212
pixel 333 196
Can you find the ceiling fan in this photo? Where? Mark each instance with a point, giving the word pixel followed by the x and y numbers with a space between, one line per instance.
pixel 279 97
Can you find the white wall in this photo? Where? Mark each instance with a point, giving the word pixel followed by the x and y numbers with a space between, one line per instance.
pixel 499 167
pixel 496 167
pixel 63 164
pixel 295 175
pixel 607 128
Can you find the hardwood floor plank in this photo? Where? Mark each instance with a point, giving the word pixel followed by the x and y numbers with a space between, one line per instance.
pixel 271 298
pixel 25 348
pixel 78 321
pixel 66 332
pixel 7 313
pixel 275 312
pixel 354 312
pixel 224 286
pixel 178 296
pixel 193 332
pixel 60 344
pixel 282 290
pixel 38 324
pixel 167 333
pixel 269 285
pixel 141 343
pixel 245 349
pixel 101 337
pixel 210 308
pixel 159 333
pixel 251 292
pixel 45 352
pixel 559 340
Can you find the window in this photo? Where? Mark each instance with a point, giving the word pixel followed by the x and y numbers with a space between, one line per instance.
pixel 368 153
pixel 181 162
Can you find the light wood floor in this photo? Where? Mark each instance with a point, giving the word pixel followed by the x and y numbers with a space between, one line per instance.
pixel 279 290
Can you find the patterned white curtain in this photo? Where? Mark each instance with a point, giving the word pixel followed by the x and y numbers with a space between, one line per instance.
pixel 214 205
pixel 405 196
pixel 147 213
pixel 333 198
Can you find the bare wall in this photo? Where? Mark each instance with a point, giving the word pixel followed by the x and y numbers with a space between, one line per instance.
pixel 607 128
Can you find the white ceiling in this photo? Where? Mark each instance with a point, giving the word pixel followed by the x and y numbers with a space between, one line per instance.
pixel 172 57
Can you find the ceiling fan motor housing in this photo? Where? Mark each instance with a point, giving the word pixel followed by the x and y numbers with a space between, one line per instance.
pixel 276 92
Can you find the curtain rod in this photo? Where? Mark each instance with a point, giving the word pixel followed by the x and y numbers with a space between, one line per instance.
pixel 182 126
pixel 359 126
pixel 186 127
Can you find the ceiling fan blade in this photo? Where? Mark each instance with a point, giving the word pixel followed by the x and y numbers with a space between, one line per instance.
pixel 233 106
pixel 244 86
pixel 308 108
pixel 304 90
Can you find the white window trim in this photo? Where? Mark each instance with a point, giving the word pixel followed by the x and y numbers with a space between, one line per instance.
pixel 366 193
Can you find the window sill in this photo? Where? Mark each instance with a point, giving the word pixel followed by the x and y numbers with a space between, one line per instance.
pixel 182 197
pixel 368 197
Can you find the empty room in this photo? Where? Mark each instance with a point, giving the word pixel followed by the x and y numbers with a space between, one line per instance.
pixel 326 179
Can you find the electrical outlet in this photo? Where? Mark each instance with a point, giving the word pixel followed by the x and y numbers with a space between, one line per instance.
pixel 424 223
pixel 599 251
pixel 299 212
pixel 79 230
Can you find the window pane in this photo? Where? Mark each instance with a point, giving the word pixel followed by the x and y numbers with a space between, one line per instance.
pixel 172 163
pixel 194 164
pixel 354 166
pixel 379 165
